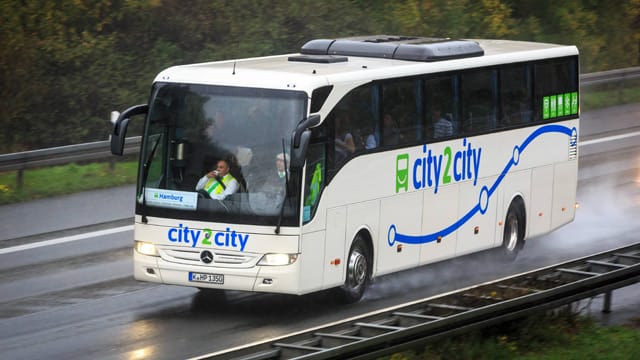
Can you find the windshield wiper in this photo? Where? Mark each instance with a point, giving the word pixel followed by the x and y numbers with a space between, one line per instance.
pixel 145 173
pixel 286 188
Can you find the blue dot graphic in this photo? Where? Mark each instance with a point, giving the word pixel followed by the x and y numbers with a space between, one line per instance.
pixel 391 235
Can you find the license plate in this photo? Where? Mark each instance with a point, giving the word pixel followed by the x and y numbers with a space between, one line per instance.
pixel 207 278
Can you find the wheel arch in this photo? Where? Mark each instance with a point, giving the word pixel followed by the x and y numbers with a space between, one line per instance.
pixel 364 233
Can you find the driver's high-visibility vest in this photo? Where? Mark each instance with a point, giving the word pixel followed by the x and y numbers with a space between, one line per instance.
pixel 213 186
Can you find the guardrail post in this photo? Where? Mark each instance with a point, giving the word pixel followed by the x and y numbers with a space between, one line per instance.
pixel 606 306
pixel 19 179
pixel 621 85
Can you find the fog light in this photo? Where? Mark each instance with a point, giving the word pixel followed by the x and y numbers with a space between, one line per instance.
pixel 146 248
pixel 278 259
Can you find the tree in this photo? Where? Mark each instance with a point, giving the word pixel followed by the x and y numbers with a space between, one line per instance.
pixel 66 64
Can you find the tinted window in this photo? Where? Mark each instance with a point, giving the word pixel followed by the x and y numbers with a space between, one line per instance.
pixel 556 88
pixel 515 95
pixel 478 100
pixel 353 124
pixel 440 118
pixel 401 110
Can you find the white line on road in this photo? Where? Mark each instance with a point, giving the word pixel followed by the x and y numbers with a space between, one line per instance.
pixel 66 239
pixel 608 138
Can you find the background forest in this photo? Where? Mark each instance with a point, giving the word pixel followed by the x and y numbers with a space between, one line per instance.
pixel 66 64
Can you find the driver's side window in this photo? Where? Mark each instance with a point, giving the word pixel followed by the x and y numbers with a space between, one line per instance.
pixel 315 178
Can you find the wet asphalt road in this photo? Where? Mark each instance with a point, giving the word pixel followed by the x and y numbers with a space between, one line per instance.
pixel 77 299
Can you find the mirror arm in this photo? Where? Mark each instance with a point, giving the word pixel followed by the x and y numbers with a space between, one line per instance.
pixel 119 130
pixel 132 111
pixel 311 121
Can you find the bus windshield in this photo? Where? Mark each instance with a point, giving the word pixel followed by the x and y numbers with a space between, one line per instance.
pixel 192 128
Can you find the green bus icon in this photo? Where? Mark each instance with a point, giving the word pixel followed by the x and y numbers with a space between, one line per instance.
pixel 402 172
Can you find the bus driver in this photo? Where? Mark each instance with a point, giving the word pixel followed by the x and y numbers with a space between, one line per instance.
pixel 218 183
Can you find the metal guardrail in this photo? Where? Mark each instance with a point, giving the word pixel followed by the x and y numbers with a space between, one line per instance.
pixel 63 155
pixel 415 324
pixel 100 149
pixel 609 76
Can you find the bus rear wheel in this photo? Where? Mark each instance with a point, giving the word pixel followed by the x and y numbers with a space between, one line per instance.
pixel 513 238
pixel 358 270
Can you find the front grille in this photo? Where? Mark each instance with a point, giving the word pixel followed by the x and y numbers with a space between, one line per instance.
pixel 220 257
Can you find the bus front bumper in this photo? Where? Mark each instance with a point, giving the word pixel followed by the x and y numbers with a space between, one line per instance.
pixel 273 279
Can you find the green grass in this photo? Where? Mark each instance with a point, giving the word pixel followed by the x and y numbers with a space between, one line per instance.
pixel 552 337
pixel 64 179
pixel 601 97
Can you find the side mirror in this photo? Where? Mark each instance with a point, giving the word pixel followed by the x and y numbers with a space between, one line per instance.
pixel 311 121
pixel 119 130
pixel 298 153
pixel 301 138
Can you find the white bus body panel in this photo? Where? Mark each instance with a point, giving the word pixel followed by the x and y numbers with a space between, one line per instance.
pixel 334 247
pixel 405 211
pixel 439 211
pixel 539 214
pixel 564 193
pixel 423 211
pixel 479 232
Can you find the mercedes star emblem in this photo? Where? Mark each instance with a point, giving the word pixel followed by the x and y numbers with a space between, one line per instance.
pixel 206 257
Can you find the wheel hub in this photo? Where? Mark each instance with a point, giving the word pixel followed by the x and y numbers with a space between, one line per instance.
pixel 357 269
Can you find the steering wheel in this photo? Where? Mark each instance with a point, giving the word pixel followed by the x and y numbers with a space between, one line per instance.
pixel 203 194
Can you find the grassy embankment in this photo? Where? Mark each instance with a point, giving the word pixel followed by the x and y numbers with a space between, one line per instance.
pixel 561 336
pixel 66 179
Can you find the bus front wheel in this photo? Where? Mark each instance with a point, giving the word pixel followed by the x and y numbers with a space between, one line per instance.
pixel 358 270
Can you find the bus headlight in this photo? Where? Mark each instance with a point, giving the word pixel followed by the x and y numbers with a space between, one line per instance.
pixel 278 259
pixel 146 248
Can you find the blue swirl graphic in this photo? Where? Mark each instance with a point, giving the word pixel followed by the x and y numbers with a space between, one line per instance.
pixel 485 193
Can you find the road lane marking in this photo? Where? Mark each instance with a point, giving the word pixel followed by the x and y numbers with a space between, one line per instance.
pixel 65 239
pixel 608 138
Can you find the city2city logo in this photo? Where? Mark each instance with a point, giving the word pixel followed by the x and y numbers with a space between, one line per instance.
pixel 206 237
pixel 431 169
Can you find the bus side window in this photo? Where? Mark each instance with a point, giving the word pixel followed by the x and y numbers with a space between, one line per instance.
pixel 515 95
pixel 401 109
pixel 440 117
pixel 479 100
pixel 344 142
pixel 359 104
pixel 555 79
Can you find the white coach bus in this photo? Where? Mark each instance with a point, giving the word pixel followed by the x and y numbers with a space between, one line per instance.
pixel 352 159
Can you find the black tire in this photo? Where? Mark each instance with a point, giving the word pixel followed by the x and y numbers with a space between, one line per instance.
pixel 513 237
pixel 358 270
